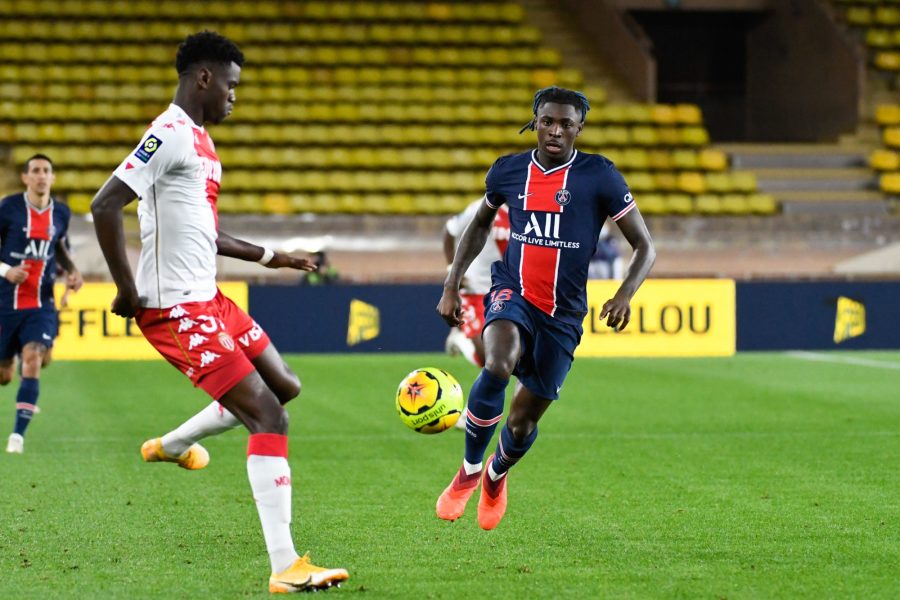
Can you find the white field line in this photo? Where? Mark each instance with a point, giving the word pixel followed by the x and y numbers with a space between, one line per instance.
pixel 847 360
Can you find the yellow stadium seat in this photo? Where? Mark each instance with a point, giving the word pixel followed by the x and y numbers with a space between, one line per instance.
pixel 710 159
pixel 891 137
pixel 735 204
pixel 684 159
pixel 641 182
pixel 743 181
pixel 663 114
pixel 762 204
pixel 708 204
pixel 694 136
pixel 688 114
pixel 691 183
pixel 666 182
pixel 679 204
pixel 884 160
pixel 890 183
pixel 661 160
pixel 887 114
pixel 651 204
pixel 887 61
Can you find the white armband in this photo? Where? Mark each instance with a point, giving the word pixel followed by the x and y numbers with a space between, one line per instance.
pixel 268 255
pixel 4 269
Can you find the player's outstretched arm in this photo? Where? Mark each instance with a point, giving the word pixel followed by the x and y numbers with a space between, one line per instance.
pixel 106 208
pixel 618 308
pixel 234 248
pixel 74 281
pixel 471 243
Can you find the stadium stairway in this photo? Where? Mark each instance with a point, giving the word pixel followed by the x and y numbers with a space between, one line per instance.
pixel 563 35
pixel 821 178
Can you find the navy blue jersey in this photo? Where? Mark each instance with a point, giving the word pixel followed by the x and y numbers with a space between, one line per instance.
pixel 28 236
pixel 555 217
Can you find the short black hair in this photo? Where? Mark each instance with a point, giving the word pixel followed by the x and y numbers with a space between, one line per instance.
pixel 26 165
pixel 207 46
pixel 558 95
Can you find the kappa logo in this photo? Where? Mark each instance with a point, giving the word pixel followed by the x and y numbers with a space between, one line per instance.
pixel 177 312
pixel 563 197
pixel 195 340
pixel 207 357
pixel 185 324
pixel 148 149
pixel 225 341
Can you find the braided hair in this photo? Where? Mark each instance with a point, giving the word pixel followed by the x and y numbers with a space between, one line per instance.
pixel 557 95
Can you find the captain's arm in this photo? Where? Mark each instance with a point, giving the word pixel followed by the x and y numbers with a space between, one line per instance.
pixel 227 245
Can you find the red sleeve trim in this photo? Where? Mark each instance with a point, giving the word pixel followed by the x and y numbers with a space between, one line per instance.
pixel 624 211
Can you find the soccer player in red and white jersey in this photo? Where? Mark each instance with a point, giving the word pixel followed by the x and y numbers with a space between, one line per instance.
pixel 175 301
pixel 466 339
pixel 558 199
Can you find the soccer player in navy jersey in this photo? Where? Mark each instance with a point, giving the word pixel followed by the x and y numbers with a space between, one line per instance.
pixel 558 200
pixel 33 228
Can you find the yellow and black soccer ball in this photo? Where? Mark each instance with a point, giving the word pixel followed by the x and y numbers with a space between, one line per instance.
pixel 429 400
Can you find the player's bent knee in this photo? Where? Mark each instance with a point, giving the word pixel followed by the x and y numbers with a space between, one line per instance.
pixel 502 367
pixel 5 377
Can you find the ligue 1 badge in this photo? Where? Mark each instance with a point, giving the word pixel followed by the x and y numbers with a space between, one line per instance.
pixel 563 197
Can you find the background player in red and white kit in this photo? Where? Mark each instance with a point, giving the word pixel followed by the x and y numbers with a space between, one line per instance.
pixel 558 200
pixel 175 301
pixel 33 229
pixel 466 339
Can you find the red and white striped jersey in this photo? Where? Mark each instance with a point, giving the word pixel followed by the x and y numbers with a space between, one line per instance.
pixel 555 217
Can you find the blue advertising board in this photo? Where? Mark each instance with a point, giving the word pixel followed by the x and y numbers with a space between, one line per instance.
pixel 350 318
pixel 826 315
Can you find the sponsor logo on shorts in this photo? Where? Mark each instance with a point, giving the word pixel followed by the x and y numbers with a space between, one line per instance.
pixel 147 149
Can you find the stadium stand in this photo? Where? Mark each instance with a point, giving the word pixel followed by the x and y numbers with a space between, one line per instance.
pixel 344 107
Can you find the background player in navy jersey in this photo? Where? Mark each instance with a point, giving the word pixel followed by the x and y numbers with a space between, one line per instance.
pixel 558 199
pixel 33 230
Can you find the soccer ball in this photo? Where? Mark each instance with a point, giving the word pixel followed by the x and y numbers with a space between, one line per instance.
pixel 429 400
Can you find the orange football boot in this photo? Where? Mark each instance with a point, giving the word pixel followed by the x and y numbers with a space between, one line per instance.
pixel 492 504
pixel 452 502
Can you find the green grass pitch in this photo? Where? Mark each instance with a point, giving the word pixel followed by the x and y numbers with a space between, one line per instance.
pixel 757 476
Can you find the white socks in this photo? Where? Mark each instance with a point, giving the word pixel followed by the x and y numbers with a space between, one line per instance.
pixel 470 468
pixel 270 480
pixel 212 420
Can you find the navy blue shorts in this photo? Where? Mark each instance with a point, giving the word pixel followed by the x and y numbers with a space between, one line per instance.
pixel 549 344
pixel 17 328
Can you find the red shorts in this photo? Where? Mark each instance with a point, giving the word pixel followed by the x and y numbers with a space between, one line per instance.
pixel 211 342
pixel 472 314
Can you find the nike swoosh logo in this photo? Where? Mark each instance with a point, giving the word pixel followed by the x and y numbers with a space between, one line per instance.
pixel 523 196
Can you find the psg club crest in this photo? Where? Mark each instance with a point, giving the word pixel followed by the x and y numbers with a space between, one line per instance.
pixel 498 306
pixel 563 197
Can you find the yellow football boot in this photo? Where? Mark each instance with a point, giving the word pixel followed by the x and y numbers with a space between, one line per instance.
pixel 194 458
pixel 305 576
